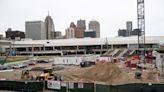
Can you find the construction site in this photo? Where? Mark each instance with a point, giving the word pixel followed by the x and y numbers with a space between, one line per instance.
pixel 115 64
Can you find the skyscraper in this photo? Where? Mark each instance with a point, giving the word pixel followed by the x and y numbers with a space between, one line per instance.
pixel 129 28
pixel 95 26
pixel 72 25
pixel 50 29
pixel 35 30
pixel 70 33
pixel 58 35
pixel 79 32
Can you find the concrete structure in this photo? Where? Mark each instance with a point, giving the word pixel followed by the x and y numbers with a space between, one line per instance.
pixel 70 33
pixel 129 28
pixel 50 28
pixel 83 45
pixel 35 30
pixel 12 34
pixel 68 60
pixel 95 26
pixel 81 27
pixel 90 33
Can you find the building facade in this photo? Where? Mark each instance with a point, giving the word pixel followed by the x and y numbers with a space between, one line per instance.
pixel 70 33
pixel 1 37
pixel 81 27
pixel 90 33
pixel 95 26
pixel 129 28
pixel 35 30
pixel 50 28
pixel 122 32
pixel 136 32
pixel 12 34
pixel 58 35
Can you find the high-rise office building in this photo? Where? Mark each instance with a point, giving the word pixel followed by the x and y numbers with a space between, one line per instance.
pixel 50 28
pixel 136 32
pixel 80 29
pixel 70 33
pixel 1 36
pixel 72 25
pixel 95 26
pixel 35 30
pixel 129 28
pixel 58 35
pixel 12 34
pixel 122 32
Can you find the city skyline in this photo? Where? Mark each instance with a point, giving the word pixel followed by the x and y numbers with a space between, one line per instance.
pixel 111 14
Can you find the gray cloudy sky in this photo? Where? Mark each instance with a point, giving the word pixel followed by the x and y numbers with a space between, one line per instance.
pixel 112 14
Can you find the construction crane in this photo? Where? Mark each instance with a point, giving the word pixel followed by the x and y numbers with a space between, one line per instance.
pixel 141 27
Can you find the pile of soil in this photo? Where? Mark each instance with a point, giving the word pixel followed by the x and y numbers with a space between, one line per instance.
pixel 101 72
pixel 105 72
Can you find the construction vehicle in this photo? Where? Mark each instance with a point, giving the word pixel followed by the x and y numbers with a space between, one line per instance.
pixel 26 75
pixel 46 75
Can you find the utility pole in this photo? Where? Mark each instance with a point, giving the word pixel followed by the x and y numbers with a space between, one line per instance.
pixel 141 27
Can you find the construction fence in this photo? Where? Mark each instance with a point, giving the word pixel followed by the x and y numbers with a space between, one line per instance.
pixel 21 86
pixel 57 86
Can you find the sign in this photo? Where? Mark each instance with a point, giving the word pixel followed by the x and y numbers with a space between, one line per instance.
pixel 71 85
pixel 64 84
pixel 53 84
pixel 80 85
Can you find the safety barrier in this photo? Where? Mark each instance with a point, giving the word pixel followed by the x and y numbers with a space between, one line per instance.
pixel 21 86
pixel 70 86
pixel 57 86
pixel 134 87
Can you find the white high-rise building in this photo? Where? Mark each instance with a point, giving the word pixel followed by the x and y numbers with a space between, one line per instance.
pixel 70 33
pixel 95 26
pixel 35 30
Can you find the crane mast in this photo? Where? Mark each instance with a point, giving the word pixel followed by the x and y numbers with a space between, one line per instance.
pixel 141 26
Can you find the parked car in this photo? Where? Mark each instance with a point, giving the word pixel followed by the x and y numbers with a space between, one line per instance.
pixel 33 62
pixel 42 61
pixel 20 65
pixel 3 67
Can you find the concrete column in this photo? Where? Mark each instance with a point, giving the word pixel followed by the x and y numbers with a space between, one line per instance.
pixel 101 49
pixel 27 49
pixel 128 46
pixel 112 46
pixel 53 48
pixel 32 50
pixel 39 48
pixel 43 48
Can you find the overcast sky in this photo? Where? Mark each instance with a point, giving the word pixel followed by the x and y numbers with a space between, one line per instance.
pixel 112 14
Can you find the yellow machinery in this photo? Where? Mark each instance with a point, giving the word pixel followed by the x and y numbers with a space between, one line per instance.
pixel 26 75
pixel 46 75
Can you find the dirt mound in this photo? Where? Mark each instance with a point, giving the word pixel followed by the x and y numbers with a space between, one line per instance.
pixel 105 72
pixel 101 72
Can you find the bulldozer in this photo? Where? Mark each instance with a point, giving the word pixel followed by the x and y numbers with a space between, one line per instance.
pixel 46 75
pixel 26 75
